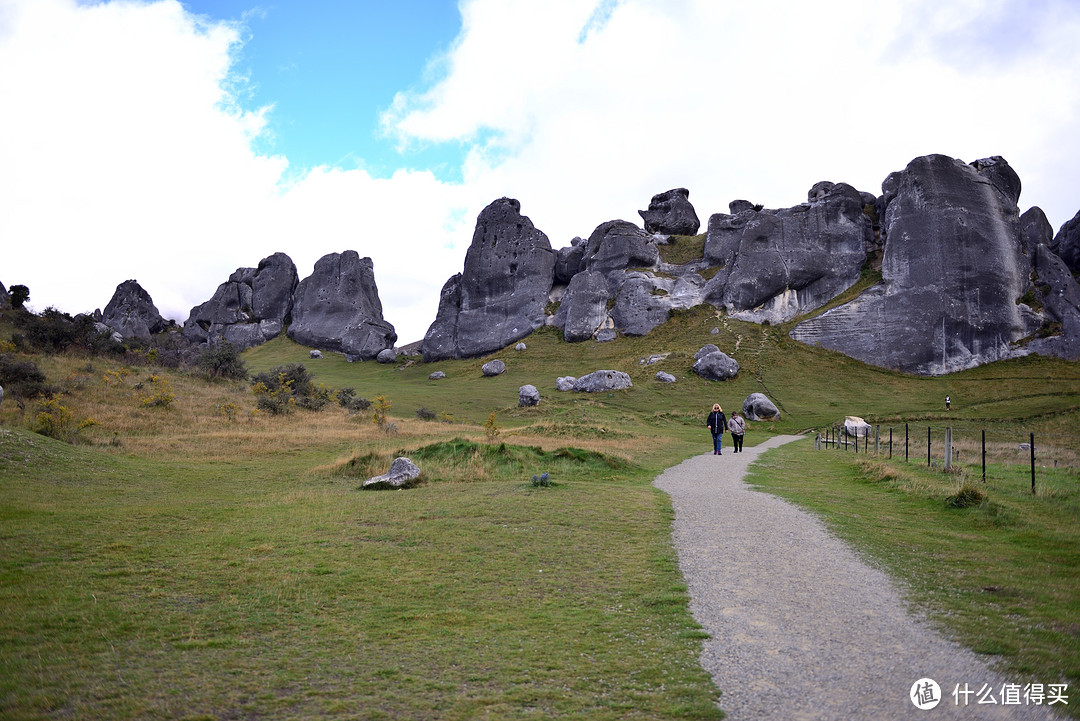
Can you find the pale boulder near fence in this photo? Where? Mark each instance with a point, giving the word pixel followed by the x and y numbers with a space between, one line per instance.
pixel 800 627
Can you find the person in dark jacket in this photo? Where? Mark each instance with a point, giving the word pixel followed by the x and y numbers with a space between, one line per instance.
pixel 737 426
pixel 717 424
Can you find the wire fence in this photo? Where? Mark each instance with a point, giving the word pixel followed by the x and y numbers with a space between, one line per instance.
pixel 977 449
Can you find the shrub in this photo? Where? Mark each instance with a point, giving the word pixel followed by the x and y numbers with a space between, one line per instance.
pixel 22 379
pixel 58 421
pixel 425 415
pixel 294 376
pixel 966 496
pixel 491 428
pixel 160 394
pixel 223 361
pixel 378 415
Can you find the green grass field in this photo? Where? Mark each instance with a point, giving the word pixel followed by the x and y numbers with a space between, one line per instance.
pixel 207 561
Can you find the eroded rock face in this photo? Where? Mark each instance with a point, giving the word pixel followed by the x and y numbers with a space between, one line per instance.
pixel 1066 243
pixel 671 213
pixel 953 271
pixel 250 308
pixel 132 313
pixel 584 307
pixel 616 246
pixel 337 308
pixel 604 380
pixel 779 263
pixel 500 296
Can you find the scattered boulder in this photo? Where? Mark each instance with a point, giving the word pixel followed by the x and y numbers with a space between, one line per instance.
pixel 706 350
pixel 670 213
pixel 315 354
pixel 565 383
pixel 437 375
pixel 952 271
pixel 606 335
pixel 600 381
pixel 528 396
pixel 716 366
pixel 654 358
pixel 248 309
pixel 493 368
pixel 387 355
pixel 132 313
pixel 757 407
pixel 520 347
pixel 501 294
pixel 856 426
pixel 337 308
pixel 665 377
pixel 403 473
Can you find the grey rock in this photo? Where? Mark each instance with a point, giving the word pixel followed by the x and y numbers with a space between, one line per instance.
pixel 819 191
pixel 856 426
pixel 105 330
pixel 315 354
pixel 5 297
pixel 250 308
pixel 665 377
pixel 1035 230
pixel 437 375
pixel 568 261
pixel 1001 175
pixel 655 358
pixel 780 263
pixel 1066 243
pixel 671 213
pixel 616 246
pixel 740 206
pixel 565 383
pixel 637 309
pixel 132 313
pixel 757 407
pixel 403 473
pixel 1059 294
pixel 1 395
pixel 706 350
pixel 493 368
pixel 503 289
pixel 714 331
pixel 716 366
pixel 528 396
pixel 606 335
pixel 953 271
pixel 337 308
pixel 520 347
pixel 584 306
pixel 601 381
pixel 388 355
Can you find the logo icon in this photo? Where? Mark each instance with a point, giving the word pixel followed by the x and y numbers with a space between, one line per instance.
pixel 925 694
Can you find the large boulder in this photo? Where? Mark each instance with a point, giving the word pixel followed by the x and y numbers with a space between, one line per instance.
pixel 857 427
pixel 616 246
pixel 250 308
pixel 670 213
pixel 568 261
pixel 953 272
pixel 1035 230
pixel 528 396
pixel 337 308
pixel 757 407
pixel 641 305
pixel 1066 243
pixel 584 307
pixel 780 263
pixel 1057 291
pixel 132 313
pixel 716 366
pixel 601 381
pixel 493 368
pixel 403 473
pixel 500 296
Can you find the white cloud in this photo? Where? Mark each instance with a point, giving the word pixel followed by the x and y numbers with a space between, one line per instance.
pixel 125 153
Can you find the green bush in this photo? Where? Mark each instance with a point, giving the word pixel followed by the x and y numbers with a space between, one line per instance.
pixel 23 380
pixel 223 361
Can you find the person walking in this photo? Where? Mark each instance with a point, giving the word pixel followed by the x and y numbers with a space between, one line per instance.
pixel 737 426
pixel 717 423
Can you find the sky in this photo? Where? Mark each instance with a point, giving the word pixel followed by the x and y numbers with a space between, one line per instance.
pixel 174 142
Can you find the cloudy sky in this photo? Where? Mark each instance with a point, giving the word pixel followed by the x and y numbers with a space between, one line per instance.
pixel 173 142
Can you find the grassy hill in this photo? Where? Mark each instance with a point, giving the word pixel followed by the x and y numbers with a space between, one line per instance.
pixel 197 558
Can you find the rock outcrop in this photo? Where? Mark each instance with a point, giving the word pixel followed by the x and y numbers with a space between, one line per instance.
pixel 670 213
pixel 1066 244
pixel 601 381
pixel 337 308
pixel 583 309
pixel 616 246
pixel 250 308
pixel 132 313
pixel 780 263
pixel 403 473
pixel 953 272
pixel 500 296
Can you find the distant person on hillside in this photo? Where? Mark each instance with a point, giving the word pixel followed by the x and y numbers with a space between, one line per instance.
pixel 948 402
pixel 717 423
pixel 737 426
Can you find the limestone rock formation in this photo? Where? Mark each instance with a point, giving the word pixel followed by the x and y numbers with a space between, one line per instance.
pixel 616 246
pixel 641 305
pixel 604 380
pixel 565 383
pixel 779 263
pixel 953 272
pixel 493 368
pixel 584 307
pixel 1066 244
pixel 403 473
pixel 437 375
pixel 387 355
pixel 250 308
pixel 716 366
pixel 665 377
pixel 671 213
pixel 568 261
pixel 337 308
pixel 500 296
pixel 132 313
pixel 528 396
pixel 758 407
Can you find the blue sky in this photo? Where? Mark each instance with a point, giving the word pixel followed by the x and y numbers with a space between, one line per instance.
pixel 174 142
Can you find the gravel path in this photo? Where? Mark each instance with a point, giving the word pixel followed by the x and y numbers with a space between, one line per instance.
pixel 801 627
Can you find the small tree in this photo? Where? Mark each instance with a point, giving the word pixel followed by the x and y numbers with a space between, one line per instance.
pixel 19 295
pixel 491 428
pixel 378 415
pixel 224 361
